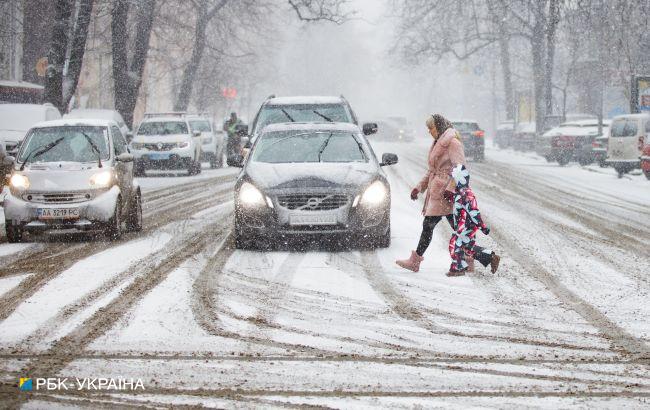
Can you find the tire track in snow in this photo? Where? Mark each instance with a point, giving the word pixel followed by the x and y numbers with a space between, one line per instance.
pixel 62 351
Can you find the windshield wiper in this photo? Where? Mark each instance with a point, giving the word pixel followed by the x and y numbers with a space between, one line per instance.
pixel 287 114
pixel 40 151
pixel 328 119
pixel 324 145
pixel 92 144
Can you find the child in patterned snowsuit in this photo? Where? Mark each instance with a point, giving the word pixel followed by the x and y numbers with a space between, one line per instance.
pixel 467 221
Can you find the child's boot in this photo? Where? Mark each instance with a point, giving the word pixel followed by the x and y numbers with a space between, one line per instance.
pixel 412 263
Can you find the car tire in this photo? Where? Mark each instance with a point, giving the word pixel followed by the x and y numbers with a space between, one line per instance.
pixel 134 222
pixel 584 161
pixel 563 160
pixel 213 161
pixel 548 158
pixel 243 241
pixel 620 171
pixel 647 174
pixel 113 230
pixel 14 232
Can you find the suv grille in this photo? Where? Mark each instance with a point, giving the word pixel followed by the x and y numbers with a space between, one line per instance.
pixel 160 146
pixel 58 198
pixel 312 202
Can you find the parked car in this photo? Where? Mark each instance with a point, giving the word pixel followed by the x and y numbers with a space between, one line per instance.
pixel 306 179
pixel 73 174
pixel 624 150
pixel 17 119
pixel 524 136
pixel 571 141
pixel 645 151
pixel 165 141
pixel 305 109
pixel 503 137
pixel 212 142
pixel 102 114
pixel 599 148
pixel 473 138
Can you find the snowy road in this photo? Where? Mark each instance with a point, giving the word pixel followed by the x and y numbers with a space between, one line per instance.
pixel 565 322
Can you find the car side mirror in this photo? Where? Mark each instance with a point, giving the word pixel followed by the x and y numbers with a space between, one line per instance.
pixel 129 136
pixel 237 161
pixel 8 161
pixel 370 128
pixel 388 159
pixel 124 157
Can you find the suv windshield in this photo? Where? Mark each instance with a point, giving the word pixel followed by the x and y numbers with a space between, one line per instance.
pixel 200 125
pixel 465 126
pixel 74 147
pixel 318 146
pixel 162 128
pixel 271 114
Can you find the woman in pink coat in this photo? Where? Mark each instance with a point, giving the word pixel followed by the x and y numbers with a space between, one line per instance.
pixel 445 153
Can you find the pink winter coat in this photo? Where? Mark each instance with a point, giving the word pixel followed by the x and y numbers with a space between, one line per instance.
pixel 446 152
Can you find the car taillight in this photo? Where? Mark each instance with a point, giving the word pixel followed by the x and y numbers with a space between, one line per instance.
pixel 595 144
pixel 478 133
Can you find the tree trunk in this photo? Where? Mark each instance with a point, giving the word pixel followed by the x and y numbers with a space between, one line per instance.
pixel 57 53
pixel 127 77
pixel 551 28
pixel 77 50
pixel 189 74
pixel 537 49
pixel 504 48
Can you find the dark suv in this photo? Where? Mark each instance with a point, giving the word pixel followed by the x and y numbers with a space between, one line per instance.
pixel 473 138
pixel 305 109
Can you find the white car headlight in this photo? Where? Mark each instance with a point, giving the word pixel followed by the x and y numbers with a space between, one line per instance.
pixel 19 181
pixel 250 196
pixel 375 194
pixel 102 179
pixel 183 144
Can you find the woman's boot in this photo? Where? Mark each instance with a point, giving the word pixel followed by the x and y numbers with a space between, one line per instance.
pixel 494 262
pixel 412 263
pixel 470 263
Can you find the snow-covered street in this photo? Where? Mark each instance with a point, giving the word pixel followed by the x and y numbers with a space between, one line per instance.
pixel 565 320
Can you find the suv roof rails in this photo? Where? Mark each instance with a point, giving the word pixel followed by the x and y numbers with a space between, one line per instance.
pixel 165 114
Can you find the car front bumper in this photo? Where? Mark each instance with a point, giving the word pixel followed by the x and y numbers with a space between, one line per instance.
pixel 93 214
pixel 178 158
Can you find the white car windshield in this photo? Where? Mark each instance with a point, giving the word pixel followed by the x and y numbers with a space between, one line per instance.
pixel 318 146
pixel 273 114
pixel 162 128
pixel 73 144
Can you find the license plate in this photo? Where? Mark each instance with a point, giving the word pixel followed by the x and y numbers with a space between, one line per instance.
pixel 158 156
pixel 302 219
pixel 58 213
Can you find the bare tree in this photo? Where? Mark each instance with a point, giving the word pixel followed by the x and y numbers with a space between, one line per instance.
pixel 67 47
pixel 127 73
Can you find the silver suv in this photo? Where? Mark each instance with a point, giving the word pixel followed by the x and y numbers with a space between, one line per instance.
pixel 76 175
pixel 166 141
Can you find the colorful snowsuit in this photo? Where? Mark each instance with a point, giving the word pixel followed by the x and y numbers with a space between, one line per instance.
pixel 467 220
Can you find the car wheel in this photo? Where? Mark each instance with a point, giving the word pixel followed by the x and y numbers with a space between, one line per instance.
pixel 114 229
pixel 14 232
pixel 243 241
pixel 563 160
pixel 602 163
pixel 647 174
pixel 191 168
pixel 584 161
pixel 134 223
pixel 548 158
pixel 213 161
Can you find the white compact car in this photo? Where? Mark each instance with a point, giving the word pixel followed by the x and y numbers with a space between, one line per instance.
pixel 624 148
pixel 73 175
pixel 211 140
pixel 165 141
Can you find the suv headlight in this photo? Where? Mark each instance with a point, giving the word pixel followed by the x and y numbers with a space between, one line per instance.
pixel 183 144
pixel 250 196
pixel 102 179
pixel 19 181
pixel 375 194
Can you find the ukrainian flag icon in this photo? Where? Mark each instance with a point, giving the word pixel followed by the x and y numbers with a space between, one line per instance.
pixel 25 384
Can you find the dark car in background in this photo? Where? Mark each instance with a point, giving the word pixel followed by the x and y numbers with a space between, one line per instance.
pixel 473 138
pixel 389 131
pixel 503 137
pixel 312 179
